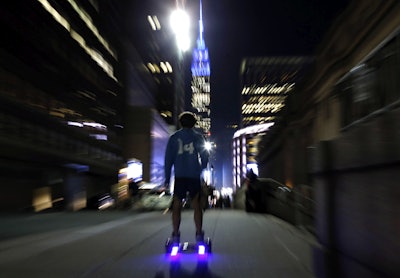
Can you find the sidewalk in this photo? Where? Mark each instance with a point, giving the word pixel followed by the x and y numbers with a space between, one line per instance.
pixel 14 225
pixel 126 244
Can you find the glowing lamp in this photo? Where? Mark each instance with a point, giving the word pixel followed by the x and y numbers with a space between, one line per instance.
pixel 174 251
pixel 201 250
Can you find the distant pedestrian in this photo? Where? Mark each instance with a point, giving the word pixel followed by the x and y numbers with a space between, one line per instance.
pixel 187 154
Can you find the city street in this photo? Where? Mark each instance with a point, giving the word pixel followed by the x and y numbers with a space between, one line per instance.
pixel 131 244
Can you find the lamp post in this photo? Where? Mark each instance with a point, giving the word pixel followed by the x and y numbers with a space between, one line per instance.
pixel 180 25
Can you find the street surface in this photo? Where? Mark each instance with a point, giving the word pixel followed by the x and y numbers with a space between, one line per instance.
pixel 131 244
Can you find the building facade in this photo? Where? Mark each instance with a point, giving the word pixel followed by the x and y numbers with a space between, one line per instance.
pixel 78 97
pixel 266 83
pixel 60 95
pixel 338 140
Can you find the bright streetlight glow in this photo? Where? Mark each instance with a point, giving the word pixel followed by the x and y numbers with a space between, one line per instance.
pixel 183 42
pixel 180 22
pixel 180 25
pixel 208 146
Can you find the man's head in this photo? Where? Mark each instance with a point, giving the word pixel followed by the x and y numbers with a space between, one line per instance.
pixel 187 119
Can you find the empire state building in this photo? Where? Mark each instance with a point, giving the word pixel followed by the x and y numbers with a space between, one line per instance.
pixel 200 84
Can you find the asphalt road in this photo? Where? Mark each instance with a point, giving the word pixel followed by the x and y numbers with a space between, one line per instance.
pixel 131 244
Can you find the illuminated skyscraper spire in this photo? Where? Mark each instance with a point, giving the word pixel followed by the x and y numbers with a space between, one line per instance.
pixel 200 41
pixel 201 80
pixel 200 63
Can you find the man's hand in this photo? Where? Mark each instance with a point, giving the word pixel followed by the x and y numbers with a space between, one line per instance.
pixel 166 188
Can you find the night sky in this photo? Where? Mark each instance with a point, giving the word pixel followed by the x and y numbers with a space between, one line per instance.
pixel 237 29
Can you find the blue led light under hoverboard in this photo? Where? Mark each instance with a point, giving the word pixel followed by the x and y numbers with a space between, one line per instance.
pixel 174 251
pixel 201 250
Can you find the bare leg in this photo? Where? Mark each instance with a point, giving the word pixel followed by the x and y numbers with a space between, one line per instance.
pixel 176 214
pixel 198 213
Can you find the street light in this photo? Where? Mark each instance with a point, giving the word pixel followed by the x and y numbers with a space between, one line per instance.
pixel 180 25
pixel 208 145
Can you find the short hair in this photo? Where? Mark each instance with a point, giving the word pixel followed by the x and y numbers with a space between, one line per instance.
pixel 187 119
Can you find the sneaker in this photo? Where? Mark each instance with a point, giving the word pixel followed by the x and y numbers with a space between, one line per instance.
pixel 176 238
pixel 200 237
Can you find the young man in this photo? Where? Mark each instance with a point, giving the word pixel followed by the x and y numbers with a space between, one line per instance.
pixel 186 152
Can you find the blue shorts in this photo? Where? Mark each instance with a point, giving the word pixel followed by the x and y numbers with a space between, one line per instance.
pixel 183 185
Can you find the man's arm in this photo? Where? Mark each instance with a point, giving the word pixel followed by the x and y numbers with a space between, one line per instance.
pixel 169 160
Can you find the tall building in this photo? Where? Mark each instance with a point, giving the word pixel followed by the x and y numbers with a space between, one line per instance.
pixel 60 99
pixel 201 81
pixel 266 82
pixel 82 93
pixel 150 28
